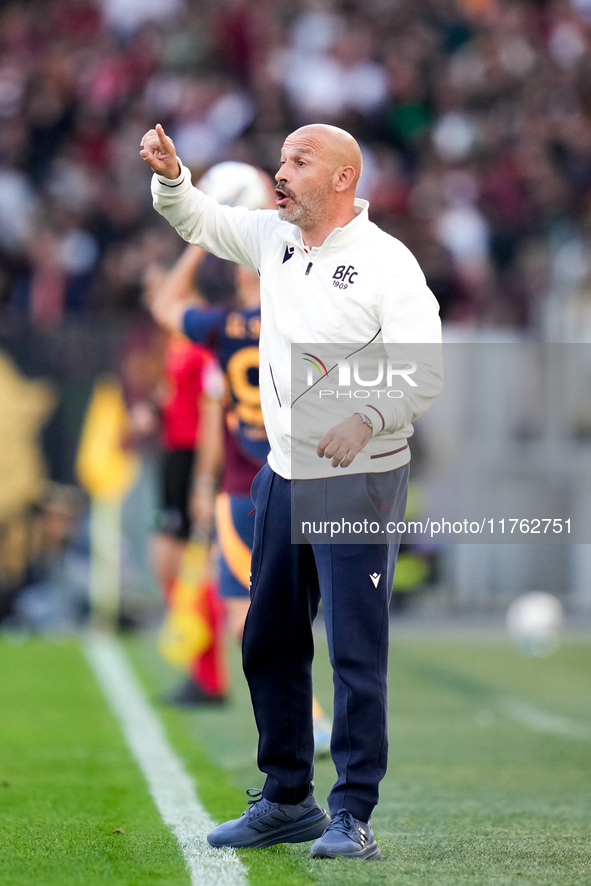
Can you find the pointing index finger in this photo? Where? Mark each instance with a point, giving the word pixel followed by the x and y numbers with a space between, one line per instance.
pixel 162 137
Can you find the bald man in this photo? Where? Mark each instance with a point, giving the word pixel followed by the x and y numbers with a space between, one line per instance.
pixel 329 279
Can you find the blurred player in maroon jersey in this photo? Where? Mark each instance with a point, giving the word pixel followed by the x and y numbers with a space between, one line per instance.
pixel 231 332
pixel 186 404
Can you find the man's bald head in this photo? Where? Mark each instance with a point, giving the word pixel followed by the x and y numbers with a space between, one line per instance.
pixel 338 146
pixel 316 181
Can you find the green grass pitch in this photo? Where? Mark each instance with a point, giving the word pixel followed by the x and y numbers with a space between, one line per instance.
pixel 489 779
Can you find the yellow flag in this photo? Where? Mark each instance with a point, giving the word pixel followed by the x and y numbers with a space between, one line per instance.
pixel 187 631
pixel 105 469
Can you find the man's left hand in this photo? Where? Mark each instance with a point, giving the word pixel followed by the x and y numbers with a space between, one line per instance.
pixel 344 441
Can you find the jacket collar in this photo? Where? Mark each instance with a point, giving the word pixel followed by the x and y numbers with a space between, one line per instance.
pixel 337 238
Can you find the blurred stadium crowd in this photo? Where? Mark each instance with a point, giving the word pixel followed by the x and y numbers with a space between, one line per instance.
pixel 474 117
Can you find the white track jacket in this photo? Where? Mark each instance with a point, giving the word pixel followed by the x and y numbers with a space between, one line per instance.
pixel 361 286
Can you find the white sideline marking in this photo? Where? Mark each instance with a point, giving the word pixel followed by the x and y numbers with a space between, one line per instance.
pixel 539 720
pixel 172 789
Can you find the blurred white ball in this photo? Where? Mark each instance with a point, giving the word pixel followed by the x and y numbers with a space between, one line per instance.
pixel 237 184
pixel 534 621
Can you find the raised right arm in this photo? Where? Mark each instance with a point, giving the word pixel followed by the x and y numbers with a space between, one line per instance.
pixel 232 233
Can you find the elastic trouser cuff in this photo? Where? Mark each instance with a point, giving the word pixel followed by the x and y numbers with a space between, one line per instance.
pixel 277 793
pixel 358 809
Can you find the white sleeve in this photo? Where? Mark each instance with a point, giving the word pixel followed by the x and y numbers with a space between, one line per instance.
pixel 233 233
pixel 411 333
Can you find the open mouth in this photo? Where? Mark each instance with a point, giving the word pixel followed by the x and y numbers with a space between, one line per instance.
pixel 281 197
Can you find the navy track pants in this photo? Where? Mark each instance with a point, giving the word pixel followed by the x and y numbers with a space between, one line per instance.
pixel 287 582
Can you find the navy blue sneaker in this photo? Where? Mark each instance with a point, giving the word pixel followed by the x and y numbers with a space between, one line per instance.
pixel 346 837
pixel 265 823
